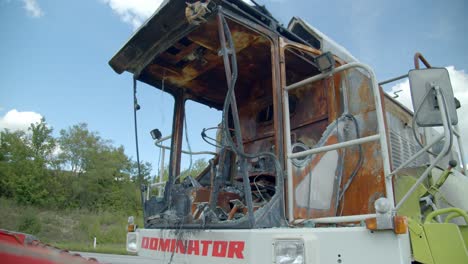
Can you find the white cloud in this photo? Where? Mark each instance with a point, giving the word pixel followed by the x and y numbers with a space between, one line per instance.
pixel 33 8
pixel 133 12
pixel 14 120
pixel 459 81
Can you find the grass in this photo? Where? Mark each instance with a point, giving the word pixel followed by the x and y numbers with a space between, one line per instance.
pixel 69 229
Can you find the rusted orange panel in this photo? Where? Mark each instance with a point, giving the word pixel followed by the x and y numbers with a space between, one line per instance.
pixel 360 95
pixel 311 105
pixel 368 184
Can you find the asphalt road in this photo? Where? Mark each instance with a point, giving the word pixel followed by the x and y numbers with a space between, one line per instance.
pixel 117 259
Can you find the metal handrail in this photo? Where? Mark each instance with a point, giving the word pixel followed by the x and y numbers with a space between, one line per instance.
pixel 336 219
pixel 345 144
pixel 439 157
pixel 381 136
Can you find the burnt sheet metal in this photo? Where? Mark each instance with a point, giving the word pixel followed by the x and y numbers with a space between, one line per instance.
pixel 193 63
pixel 168 24
pixel 319 180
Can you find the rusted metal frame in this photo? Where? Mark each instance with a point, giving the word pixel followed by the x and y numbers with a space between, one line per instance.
pixel 287 136
pixel 277 106
pixel 279 121
pixel 382 136
pixel 229 60
pixel 417 57
pixel 176 143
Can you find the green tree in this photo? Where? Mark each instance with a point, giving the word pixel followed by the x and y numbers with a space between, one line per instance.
pixel 102 176
pixel 24 164
pixel 79 169
pixel 42 142
pixel 14 155
pixel 78 145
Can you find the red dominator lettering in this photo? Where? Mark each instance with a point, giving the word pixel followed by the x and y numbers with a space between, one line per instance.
pixel 212 248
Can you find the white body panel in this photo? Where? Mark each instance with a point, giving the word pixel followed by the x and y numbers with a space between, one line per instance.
pixel 322 245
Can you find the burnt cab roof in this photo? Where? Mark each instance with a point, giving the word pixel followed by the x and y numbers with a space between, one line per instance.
pixel 185 55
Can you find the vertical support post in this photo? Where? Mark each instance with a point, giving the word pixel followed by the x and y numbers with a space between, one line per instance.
pixel 383 135
pixel 176 144
pixel 287 138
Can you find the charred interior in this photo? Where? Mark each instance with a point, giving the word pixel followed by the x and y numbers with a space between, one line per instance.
pixel 192 68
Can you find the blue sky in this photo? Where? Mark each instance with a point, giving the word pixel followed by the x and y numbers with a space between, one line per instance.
pixel 54 57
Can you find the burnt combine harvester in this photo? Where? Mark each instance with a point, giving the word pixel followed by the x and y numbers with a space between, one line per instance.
pixel 314 163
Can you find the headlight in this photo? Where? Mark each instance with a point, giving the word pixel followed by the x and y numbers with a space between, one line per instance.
pixel 289 252
pixel 132 240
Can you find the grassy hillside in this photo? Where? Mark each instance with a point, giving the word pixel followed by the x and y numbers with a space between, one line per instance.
pixel 69 229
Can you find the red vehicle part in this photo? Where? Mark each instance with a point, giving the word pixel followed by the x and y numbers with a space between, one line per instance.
pixel 22 248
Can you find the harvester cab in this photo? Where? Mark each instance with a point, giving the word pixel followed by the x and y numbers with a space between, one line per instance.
pixel 309 153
